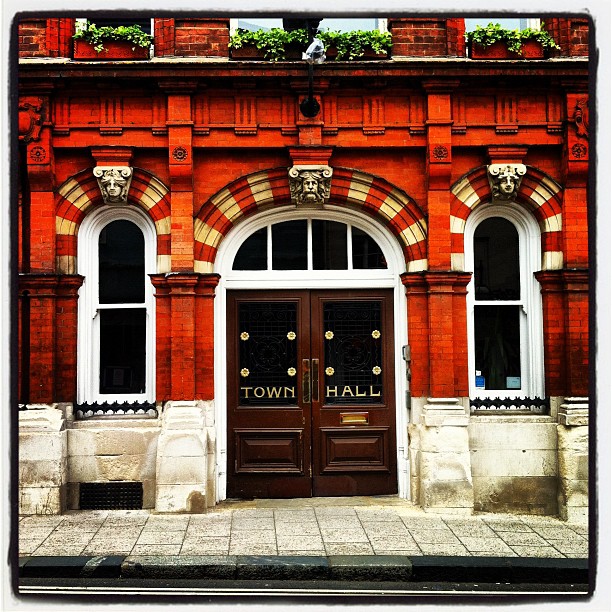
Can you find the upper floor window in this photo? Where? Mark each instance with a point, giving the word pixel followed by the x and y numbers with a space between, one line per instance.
pixel 507 24
pixel 309 244
pixel 146 24
pixel 335 24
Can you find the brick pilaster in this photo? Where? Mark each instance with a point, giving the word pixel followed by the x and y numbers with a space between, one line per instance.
pixel 566 331
pixel 437 332
pixel 180 162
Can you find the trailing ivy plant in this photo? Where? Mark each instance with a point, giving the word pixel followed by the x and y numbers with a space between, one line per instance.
pixel 274 42
pixel 513 39
pixel 353 45
pixel 96 36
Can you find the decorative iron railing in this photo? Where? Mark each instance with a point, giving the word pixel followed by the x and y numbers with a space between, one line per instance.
pixel 534 405
pixel 105 409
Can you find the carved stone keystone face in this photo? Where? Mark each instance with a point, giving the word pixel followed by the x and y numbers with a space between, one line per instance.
pixel 310 185
pixel 114 183
pixel 505 180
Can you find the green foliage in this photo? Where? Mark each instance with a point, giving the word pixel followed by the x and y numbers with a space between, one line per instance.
pixel 91 33
pixel 274 42
pixel 353 45
pixel 513 39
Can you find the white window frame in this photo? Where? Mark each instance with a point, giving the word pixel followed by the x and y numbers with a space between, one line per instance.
pixel 382 23
pixel 531 22
pixel 311 279
pixel 531 334
pixel 88 337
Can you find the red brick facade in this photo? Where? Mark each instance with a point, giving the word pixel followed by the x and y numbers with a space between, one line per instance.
pixel 415 137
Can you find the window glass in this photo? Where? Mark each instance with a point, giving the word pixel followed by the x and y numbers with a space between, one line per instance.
pixel 329 248
pixel 290 245
pixel 367 255
pixel 144 23
pixel 342 25
pixel 496 260
pixel 498 346
pixel 508 24
pixel 121 263
pixel 253 253
pixel 122 350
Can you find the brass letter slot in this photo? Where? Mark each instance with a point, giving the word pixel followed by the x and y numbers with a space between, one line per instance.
pixel 354 418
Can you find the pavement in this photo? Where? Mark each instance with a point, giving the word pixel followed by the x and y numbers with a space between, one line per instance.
pixel 351 538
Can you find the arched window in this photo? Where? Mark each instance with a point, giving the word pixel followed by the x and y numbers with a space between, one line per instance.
pixel 309 244
pixel 504 305
pixel 116 307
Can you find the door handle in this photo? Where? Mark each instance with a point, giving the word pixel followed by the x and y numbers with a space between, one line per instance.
pixel 306 381
pixel 315 380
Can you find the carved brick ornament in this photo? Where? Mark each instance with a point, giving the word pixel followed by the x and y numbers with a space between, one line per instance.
pixel 30 118
pixel 310 185
pixel 505 180
pixel 114 183
pixel 581 117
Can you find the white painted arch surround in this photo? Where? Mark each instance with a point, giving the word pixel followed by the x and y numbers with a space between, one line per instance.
pixel 311 279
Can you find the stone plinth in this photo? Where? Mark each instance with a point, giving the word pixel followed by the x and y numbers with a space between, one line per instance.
pixel 42 460
pixel 182 466
pixel 573 449
pixel 444 473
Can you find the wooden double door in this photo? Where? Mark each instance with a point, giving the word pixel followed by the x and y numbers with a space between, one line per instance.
pixel 311 393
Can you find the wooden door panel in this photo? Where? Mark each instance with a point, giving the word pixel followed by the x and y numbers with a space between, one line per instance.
pixel 266 451
pixel 354 421
pixel 268 440
pixel 355 450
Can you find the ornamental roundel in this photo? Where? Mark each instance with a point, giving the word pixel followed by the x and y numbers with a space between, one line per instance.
pixel 329 335
pixel 38 154
pixel 330 371
pixel 376 370
pixel 579 150
pixel 291 335
pixel 180 153
pixel 244 336
pixel 440 152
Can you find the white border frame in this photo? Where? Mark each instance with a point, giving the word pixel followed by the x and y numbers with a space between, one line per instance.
pixel 88 336
pixel 532 336
pixel 311 279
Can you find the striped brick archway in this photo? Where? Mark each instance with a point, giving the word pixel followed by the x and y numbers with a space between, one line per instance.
pixel 538 192
pixel 81 193
pixel 270 189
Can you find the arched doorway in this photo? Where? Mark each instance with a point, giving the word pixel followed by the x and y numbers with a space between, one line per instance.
pixel 305 410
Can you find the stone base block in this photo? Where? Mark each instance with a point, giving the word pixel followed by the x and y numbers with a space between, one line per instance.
pixel 516 494
pixel 181 498
pixel 441 495
pixel 42 500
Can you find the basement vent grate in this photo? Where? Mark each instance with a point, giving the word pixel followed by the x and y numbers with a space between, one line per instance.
pixel 110 496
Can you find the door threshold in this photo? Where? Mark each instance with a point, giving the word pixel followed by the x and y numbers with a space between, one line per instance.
pixel 316 502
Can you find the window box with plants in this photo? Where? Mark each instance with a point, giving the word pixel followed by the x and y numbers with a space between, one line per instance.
pixel 495 42
pixel 278 44
pixel 109 43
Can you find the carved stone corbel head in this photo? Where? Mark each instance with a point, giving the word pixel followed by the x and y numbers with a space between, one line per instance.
pixel 114 183
pixel 310 185
pixel 505 180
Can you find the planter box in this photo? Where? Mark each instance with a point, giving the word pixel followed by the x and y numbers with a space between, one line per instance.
pixel 497 50
pixel 251 52
pixel 369 54
pixel 530 49
pixel 247 52
pixel 113 50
